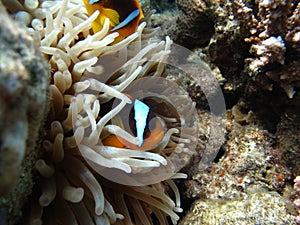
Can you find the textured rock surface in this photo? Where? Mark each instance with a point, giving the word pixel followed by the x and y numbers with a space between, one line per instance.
pixel 288 140
pixel 260 207
pixel 161 5
pixel 255 41
pixel 272 29
pixel 23 98
pixel 192 27
pixel 253 164
pixel 255 47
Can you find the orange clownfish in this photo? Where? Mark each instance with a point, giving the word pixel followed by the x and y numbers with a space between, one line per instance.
pixel 150 135
pixel 153 138
pixel 124 15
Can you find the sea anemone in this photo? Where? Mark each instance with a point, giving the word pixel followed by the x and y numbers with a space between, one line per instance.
pixel 93 170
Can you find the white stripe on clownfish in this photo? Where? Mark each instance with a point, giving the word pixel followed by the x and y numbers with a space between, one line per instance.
pixel 141 111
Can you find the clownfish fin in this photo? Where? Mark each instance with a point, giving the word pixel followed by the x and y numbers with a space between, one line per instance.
pixel 133 15
pixel 113 16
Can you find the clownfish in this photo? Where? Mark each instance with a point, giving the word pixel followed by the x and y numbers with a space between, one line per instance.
pixel 124 15
pixel 153 135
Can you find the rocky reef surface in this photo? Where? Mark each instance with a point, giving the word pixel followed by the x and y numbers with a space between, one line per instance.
pixel 253 49
pixel 23 107
pixel 256 39
pixel 254 171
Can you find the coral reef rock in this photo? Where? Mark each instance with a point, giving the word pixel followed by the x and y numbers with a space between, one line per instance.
pixel 253 164
pixel 272 29
pixel 23 99
pixel 161 5
pixel 260 207
pixel 297 201
pixel 288 141
pixel 193 28
pixel 259 40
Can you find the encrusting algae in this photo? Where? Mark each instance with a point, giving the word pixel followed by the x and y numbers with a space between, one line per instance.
pixel 87 112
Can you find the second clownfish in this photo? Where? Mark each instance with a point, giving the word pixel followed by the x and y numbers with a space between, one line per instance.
pixel 150 135
pixel 124 15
